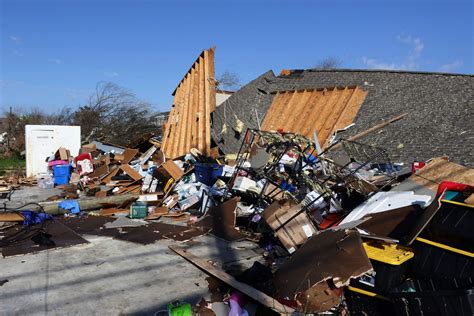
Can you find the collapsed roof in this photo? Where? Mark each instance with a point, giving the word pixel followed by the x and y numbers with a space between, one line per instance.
pixel 440 110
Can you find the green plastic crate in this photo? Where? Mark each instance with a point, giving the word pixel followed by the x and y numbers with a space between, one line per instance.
pixel 138 210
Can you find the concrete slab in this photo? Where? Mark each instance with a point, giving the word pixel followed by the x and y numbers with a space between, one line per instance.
pixel 109 276
pixel 112 277
pixel 30 194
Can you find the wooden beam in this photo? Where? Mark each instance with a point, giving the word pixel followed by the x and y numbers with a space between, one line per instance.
pixel 372 129
pixel 253 293
pixel 207 108
pixel 202 104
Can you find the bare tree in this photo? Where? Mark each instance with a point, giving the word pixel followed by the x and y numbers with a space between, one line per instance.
pixel 328 63
pixel 228 81
pixel 114 114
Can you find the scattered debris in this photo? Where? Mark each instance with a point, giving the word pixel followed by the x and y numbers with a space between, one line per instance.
pixel 333 229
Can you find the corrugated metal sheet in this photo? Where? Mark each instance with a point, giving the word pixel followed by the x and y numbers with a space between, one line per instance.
pixel 188 125
pixel 309 110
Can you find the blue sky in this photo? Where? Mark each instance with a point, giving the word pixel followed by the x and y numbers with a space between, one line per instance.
pixel 54 52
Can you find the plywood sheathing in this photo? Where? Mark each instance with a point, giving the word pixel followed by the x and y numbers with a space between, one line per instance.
pixel 309 110
pixel 189 123
pixel 441 169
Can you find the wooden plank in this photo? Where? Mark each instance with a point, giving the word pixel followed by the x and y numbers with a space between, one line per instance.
pixel 11 217
pixel 309 109
pixel 128 155
pixel 111 174
pixel 266 126
pixel 179 106
pixel 281 100
pixel 211 106
pixel 212 79
pixel 166 132
pixel 324 113
pixel 347 115
pixel 253 293
pixel 323 99
pixel 207 108
pixel 131 172
pixel 194 109
pixel 352 108
pixel 189 114
pixel 288 109
pixel 439 169
pixel 296 119
pixel 202 101
pixel 371 130
pixel 184 116
pixel 333 115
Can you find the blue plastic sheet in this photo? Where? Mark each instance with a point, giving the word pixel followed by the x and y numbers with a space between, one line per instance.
pixel 70 205
pixel 33 218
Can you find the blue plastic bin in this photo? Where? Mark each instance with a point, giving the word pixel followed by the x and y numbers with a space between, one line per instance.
pixel 207 173
pixel 61 174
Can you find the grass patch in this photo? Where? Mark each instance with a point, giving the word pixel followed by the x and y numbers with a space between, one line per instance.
pixel 11 163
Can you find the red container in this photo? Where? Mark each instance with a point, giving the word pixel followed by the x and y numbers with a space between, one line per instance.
pixel 417 165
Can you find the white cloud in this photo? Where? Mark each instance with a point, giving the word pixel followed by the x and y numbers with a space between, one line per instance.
pixel 375 64
pixel 450 67
pixel 112 74
pixel 411 61
pixel 15 39
pixel 16 52
pixel 55 61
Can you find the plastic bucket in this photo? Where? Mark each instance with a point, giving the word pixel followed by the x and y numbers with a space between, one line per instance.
pixel 207 173
pixel 61 174
pixel 62 170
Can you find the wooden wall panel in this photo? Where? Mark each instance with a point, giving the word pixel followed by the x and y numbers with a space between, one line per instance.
pixel 320 110
pixel 189 123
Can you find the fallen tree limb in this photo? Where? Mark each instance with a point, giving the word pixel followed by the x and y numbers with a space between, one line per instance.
pixel 86 204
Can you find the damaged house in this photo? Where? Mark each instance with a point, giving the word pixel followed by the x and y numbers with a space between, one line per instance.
pixel 438 107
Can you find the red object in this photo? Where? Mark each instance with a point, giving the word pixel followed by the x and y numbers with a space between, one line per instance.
pixel 83 156
pixel 454 186
pixel 417 165
pixel 330 220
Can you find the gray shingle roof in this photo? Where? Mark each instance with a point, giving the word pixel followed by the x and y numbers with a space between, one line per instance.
pixel 242 104
pixel 440 107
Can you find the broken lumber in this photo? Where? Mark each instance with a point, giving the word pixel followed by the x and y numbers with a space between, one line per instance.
pixel 371 130
pixel 253 293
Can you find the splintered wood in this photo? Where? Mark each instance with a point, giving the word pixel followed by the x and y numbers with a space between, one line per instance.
pixel 310 110
pixel 189 123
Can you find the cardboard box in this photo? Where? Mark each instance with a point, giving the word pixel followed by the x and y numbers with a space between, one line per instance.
pixel 63 153
pixel 295 232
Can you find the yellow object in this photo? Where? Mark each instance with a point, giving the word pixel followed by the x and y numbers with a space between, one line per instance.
pixel 371 294
pixel 168 184
pixel 388 253
pixel 445 247
pixel 458 203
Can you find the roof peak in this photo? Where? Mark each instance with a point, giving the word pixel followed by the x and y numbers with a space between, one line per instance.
pixel 287 72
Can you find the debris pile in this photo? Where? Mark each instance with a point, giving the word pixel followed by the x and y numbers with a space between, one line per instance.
pixel 335 236
pixel 337 226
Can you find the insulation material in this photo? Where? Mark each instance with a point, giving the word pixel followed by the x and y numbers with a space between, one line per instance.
pixel 189 122
pixel 321 110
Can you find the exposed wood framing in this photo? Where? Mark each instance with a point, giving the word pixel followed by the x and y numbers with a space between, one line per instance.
pixel 309 110
pixel 189 123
